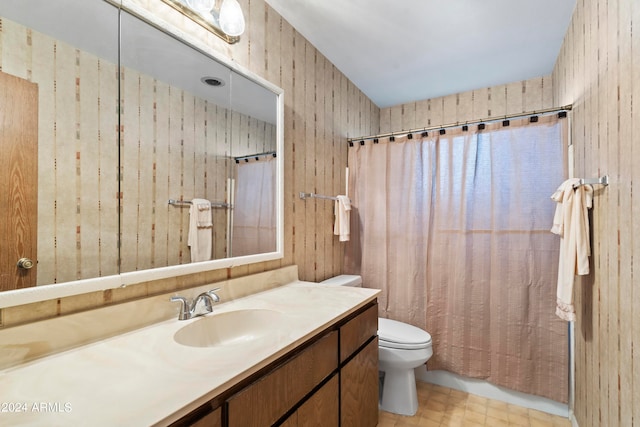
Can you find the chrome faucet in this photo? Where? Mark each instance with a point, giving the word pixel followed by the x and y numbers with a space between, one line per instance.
pixel 188 309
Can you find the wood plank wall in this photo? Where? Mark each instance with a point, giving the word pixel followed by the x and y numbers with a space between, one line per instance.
pixel 322 109
pixel 511 98
pixel 598 71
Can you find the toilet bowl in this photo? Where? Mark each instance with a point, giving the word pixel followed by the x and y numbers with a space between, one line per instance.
pixel 401 349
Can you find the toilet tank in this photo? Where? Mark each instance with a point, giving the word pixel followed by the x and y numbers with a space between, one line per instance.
pixel 344 280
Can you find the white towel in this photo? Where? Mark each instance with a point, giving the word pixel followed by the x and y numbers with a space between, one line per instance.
pixel 342 209
pixel 571 223
pixel 200 239
pixel 204 218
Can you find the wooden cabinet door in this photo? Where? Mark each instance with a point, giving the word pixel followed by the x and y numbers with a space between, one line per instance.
pixel 18 181
pixel 359 389
pixel 321 410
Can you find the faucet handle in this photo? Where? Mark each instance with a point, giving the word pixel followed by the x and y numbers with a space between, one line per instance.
pixel 184 307
pixel 212 294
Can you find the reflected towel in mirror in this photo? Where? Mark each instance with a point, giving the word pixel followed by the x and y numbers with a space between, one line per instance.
pixel 200 230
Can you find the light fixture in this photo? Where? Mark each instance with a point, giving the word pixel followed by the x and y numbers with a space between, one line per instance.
pixel 231 18
pixel 201 6
pixel 224 18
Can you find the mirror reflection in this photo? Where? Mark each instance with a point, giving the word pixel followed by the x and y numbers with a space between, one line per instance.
pixel 65 211
pixel 175 144
pixel 171 164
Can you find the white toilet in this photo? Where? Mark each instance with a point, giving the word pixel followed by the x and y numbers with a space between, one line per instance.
pixel 401 349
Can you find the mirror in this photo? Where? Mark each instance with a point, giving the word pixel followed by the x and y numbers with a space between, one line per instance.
pixel 71 63
pixel 175 144
pixel 180 139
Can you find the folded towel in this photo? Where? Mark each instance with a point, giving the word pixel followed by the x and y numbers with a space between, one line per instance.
pixel 200 239
pixel 571 223
pixel 342 209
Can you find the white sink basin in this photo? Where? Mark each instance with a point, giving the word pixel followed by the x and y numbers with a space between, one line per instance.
pixel 230 328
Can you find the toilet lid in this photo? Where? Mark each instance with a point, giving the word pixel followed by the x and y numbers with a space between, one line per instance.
pixel 394 334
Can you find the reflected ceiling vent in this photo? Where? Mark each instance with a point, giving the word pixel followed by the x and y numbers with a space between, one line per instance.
pixel 212 81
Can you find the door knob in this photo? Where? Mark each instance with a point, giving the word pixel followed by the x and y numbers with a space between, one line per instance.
pixel 25 263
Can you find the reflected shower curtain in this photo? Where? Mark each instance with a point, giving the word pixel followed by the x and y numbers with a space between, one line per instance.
pixel 454 229
pixel 254 210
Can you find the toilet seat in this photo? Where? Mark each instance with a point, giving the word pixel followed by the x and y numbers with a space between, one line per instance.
pixel 394 334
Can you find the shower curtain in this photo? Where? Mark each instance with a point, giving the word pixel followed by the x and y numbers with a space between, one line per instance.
pixel 254 210
pixel 453 227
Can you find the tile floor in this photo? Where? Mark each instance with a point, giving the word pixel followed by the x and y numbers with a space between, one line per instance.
pixel 441 406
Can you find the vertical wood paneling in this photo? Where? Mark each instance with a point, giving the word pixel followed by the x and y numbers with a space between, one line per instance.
pixel 162 167
pixel 146 201
pixel 634 297
pixel 322 158
pixel 625 218
pixel 312 206
pixel 89 165
pixel 65 162
pixel 597 71
pixel 299 155
pixel 284 50
pixel 514 98
pixel 449 109
pixel 129 163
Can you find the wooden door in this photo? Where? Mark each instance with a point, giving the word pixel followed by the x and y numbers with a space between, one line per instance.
pixel 18 181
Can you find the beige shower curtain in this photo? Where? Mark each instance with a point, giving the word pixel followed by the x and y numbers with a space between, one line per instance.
pixel 254 210
pixel 454 228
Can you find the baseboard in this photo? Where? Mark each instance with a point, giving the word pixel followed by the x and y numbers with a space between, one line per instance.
pixel 485 389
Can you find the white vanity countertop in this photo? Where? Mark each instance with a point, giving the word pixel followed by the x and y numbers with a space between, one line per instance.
pixel 144 377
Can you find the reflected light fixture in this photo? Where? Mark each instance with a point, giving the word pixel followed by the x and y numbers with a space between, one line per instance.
pixel 231 18
pixel 201 6
pixel 223 17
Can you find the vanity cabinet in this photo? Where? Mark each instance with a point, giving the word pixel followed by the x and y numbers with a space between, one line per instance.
pixel 267 400
pixel 329 381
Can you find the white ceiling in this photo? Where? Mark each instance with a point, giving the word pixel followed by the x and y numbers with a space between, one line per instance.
pixel 398 51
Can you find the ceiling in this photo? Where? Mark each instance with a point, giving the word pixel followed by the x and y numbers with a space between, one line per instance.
pixel 398 51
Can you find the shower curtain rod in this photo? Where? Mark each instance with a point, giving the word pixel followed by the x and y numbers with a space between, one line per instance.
pixel 254 156
pixel 457 124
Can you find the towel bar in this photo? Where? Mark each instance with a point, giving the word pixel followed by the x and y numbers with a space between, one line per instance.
pixel 188 202
pixel 603 180
pixel 315 196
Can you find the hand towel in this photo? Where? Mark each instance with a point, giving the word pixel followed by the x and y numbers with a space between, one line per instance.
pixel 204 216
pixel 342 209
pixel 200 239
pixel 571 223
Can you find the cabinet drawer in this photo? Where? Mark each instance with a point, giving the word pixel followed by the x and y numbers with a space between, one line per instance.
pixel 265 401
pixel 212 420
pixel 357 331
